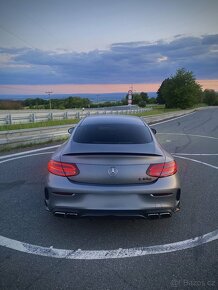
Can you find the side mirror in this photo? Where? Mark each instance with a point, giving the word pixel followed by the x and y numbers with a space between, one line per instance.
pixel 154 131
pixel 70 130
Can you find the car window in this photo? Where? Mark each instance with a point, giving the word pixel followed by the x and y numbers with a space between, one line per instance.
pixel 112 134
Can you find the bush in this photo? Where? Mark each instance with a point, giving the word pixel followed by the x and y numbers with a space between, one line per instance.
pixel 210 97
pixel 11 105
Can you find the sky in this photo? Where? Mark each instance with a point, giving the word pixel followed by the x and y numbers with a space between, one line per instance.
pixel 97 46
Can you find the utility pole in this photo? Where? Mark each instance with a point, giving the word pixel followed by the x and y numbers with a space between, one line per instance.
pixel 49 93
pixel 98 100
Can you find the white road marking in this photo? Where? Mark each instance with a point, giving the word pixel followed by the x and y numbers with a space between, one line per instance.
pixel 192 135
pixel 29 155
pixel 197 154
pixel 106 254
pixel 197 161
pixel 30 151
pixel 161 122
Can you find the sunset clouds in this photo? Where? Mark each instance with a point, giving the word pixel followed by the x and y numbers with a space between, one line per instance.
pixel 123 63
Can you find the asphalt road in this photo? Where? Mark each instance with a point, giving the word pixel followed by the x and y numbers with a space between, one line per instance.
pixel 23 218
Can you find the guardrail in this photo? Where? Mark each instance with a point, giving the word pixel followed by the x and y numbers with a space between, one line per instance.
pixel 24 117
pixel 14 138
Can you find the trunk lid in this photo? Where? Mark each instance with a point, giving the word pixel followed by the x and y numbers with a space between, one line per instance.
pixel 112 164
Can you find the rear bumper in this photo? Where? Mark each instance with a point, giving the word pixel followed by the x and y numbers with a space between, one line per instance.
pixel 64 196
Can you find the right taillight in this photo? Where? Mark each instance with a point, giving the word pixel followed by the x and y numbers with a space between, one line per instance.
pixel 162 169
pixel 62 168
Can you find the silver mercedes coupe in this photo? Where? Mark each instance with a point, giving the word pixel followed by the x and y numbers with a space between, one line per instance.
pixel 112 166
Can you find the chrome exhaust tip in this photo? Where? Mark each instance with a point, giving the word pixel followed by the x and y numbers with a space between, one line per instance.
pixel 159 215
pixel 59 213
pixel 165 214
pixel 153 215
pixel 71 214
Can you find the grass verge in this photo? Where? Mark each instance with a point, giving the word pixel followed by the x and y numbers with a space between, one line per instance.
pixel 156 111
pixel 38 124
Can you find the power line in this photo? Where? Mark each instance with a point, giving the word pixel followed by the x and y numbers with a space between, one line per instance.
pixel 38 25
pixel 16 36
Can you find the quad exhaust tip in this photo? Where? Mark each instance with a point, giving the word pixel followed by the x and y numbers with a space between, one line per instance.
pixel 159 215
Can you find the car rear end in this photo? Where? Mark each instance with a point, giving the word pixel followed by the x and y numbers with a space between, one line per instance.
pixel 130 176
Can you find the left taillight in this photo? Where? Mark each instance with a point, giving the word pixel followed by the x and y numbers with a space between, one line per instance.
pixel 62 168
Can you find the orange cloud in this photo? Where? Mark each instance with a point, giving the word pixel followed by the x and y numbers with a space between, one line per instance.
pixel 209 84
pixel 76 89
pixel 91 89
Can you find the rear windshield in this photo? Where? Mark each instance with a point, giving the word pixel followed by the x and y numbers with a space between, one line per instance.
pixel 112 134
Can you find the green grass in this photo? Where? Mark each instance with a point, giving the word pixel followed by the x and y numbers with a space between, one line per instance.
pixel 200 105
pixel 38 124
pixel 156 111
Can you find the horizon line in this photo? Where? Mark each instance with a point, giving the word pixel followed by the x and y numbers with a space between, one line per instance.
pixel 92 88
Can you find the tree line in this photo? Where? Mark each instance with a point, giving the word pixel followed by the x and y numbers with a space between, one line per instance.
pixel 178 91
pixel 140 99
